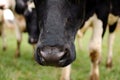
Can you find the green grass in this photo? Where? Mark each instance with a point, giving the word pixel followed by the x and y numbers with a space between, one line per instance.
pixel 25 67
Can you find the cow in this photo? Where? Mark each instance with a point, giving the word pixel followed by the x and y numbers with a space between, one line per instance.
pixel 27 9
pixel 8 19
pixel 59 21
pixel 25 19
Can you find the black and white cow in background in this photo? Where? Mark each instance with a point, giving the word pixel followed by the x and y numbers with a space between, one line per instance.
pixel 29 14
pixel 24 18
pixel 59 21
pixel 27 9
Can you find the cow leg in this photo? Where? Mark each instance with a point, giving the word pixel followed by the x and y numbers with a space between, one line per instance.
pixel 3 35
pixel 2 30
pixel 1 21
pixel 66 73
pixel 111 37
pixel 95 49
pixel 79 37
pixel 19 38
pixel 33 45
pixel 82 31
pixel 110 50
pixel 17 54
pixel 80 34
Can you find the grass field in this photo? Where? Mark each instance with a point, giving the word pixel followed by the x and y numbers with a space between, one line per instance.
pixel 25 68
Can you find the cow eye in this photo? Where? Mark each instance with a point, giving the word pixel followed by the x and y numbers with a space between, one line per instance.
pixel 74 1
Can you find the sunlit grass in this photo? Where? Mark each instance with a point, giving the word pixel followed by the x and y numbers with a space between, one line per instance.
pixel 25 67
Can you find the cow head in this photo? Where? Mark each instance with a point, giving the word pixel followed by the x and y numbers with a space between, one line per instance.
pixel 32 26
pixel 27 9
pixel 58 21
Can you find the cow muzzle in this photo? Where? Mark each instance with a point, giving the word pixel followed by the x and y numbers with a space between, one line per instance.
pixel 32 40
pixel 52 56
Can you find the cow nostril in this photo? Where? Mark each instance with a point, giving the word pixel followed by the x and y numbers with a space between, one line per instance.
pixel 42 60
pixel 66 54
pixel 38 52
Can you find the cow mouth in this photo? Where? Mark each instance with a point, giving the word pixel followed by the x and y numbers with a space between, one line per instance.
pixel 62 59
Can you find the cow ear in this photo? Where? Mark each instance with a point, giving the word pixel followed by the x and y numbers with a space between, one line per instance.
pixel 74 1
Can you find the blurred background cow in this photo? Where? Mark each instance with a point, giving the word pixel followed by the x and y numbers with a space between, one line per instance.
pixel 23 18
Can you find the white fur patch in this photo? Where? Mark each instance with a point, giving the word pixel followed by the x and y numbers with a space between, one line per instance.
pixel 8 15
pixel 110 45
pixel 66 73
pixel 30 5
pixel 95 46
pixel 96 39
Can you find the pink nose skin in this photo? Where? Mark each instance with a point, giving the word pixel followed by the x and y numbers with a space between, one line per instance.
pixel 52 56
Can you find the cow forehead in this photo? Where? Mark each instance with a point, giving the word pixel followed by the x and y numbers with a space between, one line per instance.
pixel 60 11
